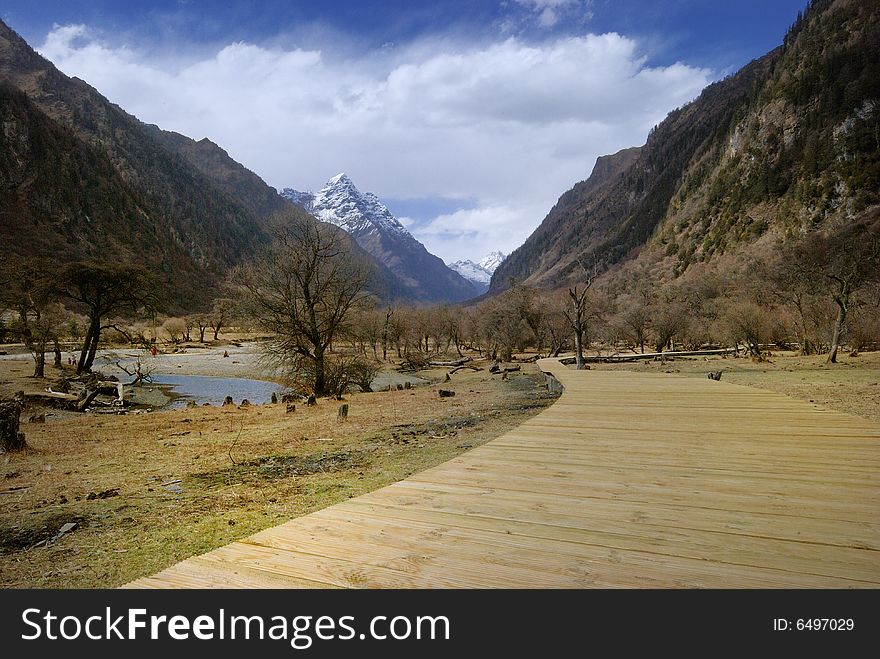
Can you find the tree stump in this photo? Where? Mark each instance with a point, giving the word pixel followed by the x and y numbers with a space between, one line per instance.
pixel 274 398
pixel 228 401
pixel 311 401
pixel 407 385
pixel 10 412
pixel 714 375
pixel 342 414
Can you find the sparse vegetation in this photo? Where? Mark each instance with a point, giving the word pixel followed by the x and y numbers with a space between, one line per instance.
pixel 148 490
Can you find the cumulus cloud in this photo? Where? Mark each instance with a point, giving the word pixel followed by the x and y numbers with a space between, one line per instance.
pixel 506 127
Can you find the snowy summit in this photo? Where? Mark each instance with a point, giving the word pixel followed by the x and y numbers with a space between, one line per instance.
pixel 479 274
pixel 341 203
pixel 421 276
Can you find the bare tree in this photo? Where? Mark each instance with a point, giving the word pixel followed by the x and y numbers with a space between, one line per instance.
pixel 502 328
pixel 41 327
pixel 202 322
pixel 386 333
pixel 219 316
pixel 556 322
pixel 634 320
pixel 749 322
pixel 577 311
pixel 27 288
pixel 838 262
pixel 176 328
pixel 303 289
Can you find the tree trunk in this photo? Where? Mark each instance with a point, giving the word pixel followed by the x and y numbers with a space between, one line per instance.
pixel 94 329
pixel 579 349
pixel 10 437
pixel 202 334
pixel 838 331
pixel 320 375
pixel 57 354
pixel 216 332
pixel 93 350
pixel 40 364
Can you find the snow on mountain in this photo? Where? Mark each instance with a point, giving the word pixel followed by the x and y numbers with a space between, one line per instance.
pixel 304 199
pixel 341 203
pixel 368 220
pixel 480 274
pixel 491 261
pixel 473 271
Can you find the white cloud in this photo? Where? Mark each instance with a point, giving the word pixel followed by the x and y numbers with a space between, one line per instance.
pixel 506 127
pixel 548 12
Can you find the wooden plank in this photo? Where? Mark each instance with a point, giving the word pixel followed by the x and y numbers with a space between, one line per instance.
pixel 629 480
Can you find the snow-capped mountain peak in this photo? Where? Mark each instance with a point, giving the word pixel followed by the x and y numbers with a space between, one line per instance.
pixel 472 271
pixel 341 203
pixel 480 274
pixel 492 260
pixel 340 178
pixel 420 275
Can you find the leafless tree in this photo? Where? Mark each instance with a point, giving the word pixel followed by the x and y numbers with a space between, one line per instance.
pixel 838 262
pixel 219 316
pixel 202 322
pixel 578 309
pixel 303 289
pixel 27 289
pixel 176 328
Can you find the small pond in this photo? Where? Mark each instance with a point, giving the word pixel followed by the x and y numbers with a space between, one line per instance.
pixel 213 390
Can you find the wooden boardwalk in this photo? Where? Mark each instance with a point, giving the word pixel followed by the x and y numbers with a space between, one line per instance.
pixel 629 480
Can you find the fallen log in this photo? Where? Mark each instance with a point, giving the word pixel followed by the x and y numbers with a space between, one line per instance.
pixel 648 355
pixel 457 362
pixel 85 402
pixel 458 368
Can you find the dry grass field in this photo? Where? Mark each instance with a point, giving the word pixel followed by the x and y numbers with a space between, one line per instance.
pixel 147 490
pixel 852 385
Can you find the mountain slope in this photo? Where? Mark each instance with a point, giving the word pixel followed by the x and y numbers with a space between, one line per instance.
pixel 85 179
pixel 196 230
pixel 62 199
pixel 783 144
pixel 250 191
pixel 423 276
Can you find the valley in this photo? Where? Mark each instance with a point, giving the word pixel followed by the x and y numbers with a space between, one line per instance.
pixel 190 355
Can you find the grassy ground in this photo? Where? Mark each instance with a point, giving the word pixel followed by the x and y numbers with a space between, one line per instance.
pixel 852 385
pixel 147 490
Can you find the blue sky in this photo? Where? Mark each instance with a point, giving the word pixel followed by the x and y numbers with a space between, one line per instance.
pixel 469 118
